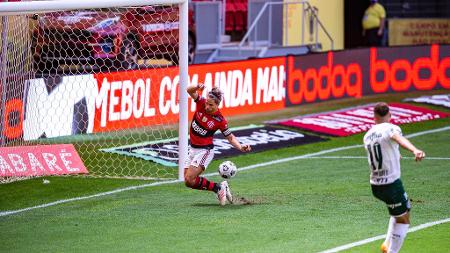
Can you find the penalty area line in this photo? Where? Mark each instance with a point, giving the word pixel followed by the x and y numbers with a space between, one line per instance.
pixel 11 212
pixel 379 237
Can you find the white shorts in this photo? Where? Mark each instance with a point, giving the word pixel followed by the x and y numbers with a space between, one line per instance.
pixel 199 157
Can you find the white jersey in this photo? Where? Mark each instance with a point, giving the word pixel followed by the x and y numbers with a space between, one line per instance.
pixel 383 153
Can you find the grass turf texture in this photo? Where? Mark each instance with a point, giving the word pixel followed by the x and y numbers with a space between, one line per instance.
pixel 300 206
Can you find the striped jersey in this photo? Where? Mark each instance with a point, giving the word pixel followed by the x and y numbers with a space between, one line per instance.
pixel 204 125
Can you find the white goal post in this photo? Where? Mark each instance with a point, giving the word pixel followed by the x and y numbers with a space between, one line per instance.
pixel 34 7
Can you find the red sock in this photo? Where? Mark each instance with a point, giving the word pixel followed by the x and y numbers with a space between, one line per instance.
pixel 202 183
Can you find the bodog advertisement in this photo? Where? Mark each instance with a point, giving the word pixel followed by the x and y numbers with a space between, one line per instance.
pixel 360 72
pixel 11 109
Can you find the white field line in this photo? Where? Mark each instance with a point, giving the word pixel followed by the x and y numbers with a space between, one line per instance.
pixel 379 237
pixel 6 213
pixel 365 157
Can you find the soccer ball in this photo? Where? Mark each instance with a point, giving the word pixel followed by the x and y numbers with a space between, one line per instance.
pixel 227 169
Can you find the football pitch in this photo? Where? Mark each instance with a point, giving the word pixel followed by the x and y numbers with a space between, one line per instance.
pixel 310 198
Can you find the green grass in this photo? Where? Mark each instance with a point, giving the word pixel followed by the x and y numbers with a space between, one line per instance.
pixel 430 240
pixel 306 205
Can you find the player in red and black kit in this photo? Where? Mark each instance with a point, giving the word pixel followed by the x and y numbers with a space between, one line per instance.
pixel 206 121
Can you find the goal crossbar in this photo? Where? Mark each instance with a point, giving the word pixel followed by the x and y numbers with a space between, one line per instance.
pixel 15 8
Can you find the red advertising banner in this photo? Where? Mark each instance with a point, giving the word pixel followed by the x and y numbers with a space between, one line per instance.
pixel 148 97
pixel 360 72
pixel 40 160
pixel 359 119
pixel 11 108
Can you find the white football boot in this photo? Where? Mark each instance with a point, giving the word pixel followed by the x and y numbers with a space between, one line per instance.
pixel 225 185
pixel 222 193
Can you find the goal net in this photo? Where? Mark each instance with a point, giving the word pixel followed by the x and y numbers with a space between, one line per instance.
pixel 101 75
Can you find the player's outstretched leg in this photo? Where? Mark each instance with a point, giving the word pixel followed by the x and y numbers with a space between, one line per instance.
pixel 201 183
pixel 192 179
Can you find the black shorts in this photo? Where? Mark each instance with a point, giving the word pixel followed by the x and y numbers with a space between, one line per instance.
pixel 394 196
pixel 372 38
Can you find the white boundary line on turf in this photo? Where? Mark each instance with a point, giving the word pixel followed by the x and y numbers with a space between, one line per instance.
pixel 365 157
pixel 6 213
pixel 379 237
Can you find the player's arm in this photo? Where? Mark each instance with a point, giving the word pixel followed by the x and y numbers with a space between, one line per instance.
pixel 382 14
pixel 192 90
pixel 235 143
pixel 381 29
pixel 406 144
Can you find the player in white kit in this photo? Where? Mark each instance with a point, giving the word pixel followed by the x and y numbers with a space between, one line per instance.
pixel 382 145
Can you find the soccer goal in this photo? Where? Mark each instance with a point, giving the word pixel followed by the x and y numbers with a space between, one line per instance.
pixel 106 76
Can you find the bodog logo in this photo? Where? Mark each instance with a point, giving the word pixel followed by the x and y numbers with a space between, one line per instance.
pixel 336 81
pixel 12 119
pixel 350 81
pixel 436 69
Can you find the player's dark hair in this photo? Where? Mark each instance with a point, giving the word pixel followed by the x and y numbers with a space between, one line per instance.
pixel 381 109
pixel 216 95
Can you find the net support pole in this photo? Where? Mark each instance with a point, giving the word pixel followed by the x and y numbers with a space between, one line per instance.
pixel 184 79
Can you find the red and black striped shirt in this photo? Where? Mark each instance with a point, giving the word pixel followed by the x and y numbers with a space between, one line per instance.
pixel 204 125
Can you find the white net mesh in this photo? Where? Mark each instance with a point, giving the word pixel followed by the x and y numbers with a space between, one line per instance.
pixel 96 78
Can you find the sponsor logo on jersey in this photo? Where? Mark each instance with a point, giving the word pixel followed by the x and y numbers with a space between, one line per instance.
pixel 392 206
pixel 374 136
pixel 198 129
pixel 210 124
pixel 381 173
